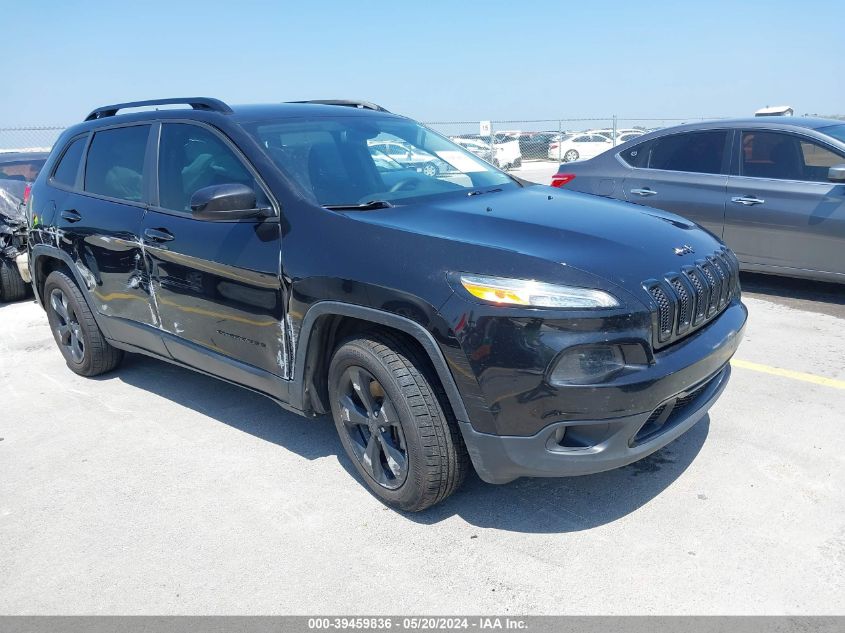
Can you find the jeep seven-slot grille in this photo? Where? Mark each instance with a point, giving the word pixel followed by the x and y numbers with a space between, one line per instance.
pixel 686 300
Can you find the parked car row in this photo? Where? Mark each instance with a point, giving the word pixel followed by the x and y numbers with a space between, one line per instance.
pixel 347 261
pixel 773 188
pixel 512 146
pixel 562 147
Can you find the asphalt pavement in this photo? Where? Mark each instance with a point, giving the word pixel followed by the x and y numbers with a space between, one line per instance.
pixel 156 490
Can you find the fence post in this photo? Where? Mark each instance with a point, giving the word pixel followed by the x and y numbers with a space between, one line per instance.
pixel 614 130
pixel 559 138
pixel 493 147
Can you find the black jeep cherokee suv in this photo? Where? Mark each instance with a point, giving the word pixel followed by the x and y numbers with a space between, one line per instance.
pixel 465 316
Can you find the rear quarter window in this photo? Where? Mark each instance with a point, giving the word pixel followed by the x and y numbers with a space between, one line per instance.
pixel 636 156
pixel 68 165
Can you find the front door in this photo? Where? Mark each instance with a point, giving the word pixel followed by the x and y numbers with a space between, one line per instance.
pixel 782 212
pixel 216 284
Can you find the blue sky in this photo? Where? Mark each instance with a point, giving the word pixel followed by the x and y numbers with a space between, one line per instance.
pixel 432 60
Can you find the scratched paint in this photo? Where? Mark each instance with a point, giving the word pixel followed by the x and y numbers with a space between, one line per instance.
pixel 154 310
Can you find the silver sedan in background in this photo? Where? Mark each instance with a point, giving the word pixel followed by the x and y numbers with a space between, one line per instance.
pixel 773 188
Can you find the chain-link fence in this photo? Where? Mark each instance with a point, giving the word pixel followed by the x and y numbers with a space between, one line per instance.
pixel 509 143
pixel 533 148
pixel 534 135
pixel 34 138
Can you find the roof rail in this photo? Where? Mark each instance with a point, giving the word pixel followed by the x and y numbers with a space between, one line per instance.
pixel 363 105
pixel 197 103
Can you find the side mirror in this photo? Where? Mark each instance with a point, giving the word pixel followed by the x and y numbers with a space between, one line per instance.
pixel 231 201
pixel 836 173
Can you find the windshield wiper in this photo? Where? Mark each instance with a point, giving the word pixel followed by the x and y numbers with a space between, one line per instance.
pixel 476 192
pixel 364 206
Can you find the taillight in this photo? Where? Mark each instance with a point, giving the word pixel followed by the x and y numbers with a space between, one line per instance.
pixel 553 146
pixel 559 180
pixel 27 190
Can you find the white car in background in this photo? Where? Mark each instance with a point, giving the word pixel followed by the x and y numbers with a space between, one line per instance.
pixel 620 132
pixel 579 147
pixel 627 136
pixel 507 153
pixel 409 156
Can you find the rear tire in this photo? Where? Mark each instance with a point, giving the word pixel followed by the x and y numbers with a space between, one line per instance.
pixel 85 349
pixel 394 422
pixel 12 286
pixel 570 156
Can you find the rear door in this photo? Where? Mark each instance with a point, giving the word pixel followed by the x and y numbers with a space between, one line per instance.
pixel 216 283
pixel 684 173
pixel 782 211
pixel 99 191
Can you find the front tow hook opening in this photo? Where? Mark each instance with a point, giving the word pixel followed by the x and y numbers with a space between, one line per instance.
pixel 578 437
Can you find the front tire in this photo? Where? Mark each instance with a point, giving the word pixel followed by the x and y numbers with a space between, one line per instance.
pixel 77 334
pixel 393 422
pixel 12 286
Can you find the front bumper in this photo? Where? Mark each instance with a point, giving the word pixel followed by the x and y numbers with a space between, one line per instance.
pixel 500 459
pixel 574 430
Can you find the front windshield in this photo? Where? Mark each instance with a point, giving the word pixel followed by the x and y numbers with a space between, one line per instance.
pixel 347 161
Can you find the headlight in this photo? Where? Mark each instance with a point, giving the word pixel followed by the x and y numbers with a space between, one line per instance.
pixel 536 294
pixel 588 365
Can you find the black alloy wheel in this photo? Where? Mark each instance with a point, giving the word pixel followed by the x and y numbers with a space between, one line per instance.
pixel 68 331
pixel 394 421
pixel 372 425
pixel 83 346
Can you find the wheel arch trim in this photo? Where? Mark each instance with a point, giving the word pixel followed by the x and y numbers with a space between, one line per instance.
pixel 41 252
pixel 380 317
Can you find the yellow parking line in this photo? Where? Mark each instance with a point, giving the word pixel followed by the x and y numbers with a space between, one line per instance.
pixel 788 373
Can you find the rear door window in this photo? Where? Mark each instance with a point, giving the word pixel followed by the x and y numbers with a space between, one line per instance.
pixel 68 166
pixel 785 157
pixel 115 165
pixel 698 152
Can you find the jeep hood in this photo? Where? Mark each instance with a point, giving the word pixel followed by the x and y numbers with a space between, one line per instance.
pixel 621 242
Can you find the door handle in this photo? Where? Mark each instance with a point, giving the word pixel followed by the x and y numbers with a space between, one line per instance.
pixel 157 235
pixel 748 201
pixel 71 215
pixel 644 192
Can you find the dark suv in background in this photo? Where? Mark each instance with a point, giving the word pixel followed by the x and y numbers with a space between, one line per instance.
pixel 446 319
pixel 772 187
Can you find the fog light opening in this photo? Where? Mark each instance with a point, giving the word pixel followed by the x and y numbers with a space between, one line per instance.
pixel 574 437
